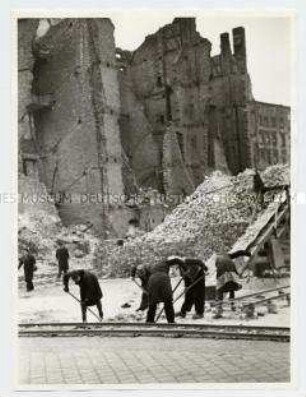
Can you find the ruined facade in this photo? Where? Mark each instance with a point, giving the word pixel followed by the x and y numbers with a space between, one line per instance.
pixel 97 123
pixel 205 102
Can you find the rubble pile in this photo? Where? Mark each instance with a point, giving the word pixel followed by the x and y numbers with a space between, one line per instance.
pixel 41 230
pixel 210 220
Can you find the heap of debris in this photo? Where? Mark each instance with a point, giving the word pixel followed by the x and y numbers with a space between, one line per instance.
pixel 41 230
pixel 209 221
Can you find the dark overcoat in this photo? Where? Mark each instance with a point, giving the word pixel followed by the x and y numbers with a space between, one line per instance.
pixel 62 255
pixel 159 287
pixel 90 291
pixel 28 261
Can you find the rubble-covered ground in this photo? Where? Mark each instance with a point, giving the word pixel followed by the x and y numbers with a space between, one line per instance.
pixel 41 230
pixel 210 220
pixel 207 222
pixel 49 303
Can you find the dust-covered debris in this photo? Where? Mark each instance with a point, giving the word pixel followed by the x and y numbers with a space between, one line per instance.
pixel 40 231
pixel 208 221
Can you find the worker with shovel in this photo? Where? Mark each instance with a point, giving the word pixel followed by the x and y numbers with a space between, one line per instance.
pixel 227 278
pixel 160 290
pixel 90 291
pixel 193 270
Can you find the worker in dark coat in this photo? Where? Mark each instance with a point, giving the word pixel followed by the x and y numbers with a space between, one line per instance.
pixel 143 273
pixel 29 266
pixel 90 291
pixel 62 256
pixel 192 270
pixel 160 290
pixel 227 278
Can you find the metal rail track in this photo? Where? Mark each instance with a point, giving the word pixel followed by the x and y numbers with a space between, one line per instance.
pixel 281 334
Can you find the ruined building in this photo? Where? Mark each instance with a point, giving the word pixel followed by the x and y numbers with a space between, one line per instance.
pixel 194 113
pixel 99 122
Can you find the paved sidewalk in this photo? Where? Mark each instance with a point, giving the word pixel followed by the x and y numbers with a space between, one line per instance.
pixel 94 360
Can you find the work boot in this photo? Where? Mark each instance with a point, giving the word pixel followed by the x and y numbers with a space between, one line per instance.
pixel 197 316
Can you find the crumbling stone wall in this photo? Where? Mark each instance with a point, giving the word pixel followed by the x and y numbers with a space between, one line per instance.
pixel 230 92
pixel 203 98
pixel 141 150
pixel 169 74
pixel 177 180
pixel 79 134
pixel 27 155
pixel 206 100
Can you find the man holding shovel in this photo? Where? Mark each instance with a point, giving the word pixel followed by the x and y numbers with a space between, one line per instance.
pixel 193 270
pixel 90 291
pixel 227 278
pixel 160 291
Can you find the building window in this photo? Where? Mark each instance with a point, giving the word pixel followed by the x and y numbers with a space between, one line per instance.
pixel 162 119
pixel 266 121
pixel 274 138
pixel 269 156
pixel 281 122
pixel 159 81
pixel 273 121
pixel 194 143
pixel 283 140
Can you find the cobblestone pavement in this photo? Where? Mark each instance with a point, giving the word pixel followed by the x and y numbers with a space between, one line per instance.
pixel 94 360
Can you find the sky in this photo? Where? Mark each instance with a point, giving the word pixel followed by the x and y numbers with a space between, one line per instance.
pixel 269 43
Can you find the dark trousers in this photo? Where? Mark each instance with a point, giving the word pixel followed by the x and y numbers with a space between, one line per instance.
pixel 195 296
pixel 61 270
pixel 144 303
pixel 84 310
pixel 220 295
pixel 168 306
pixel 30 285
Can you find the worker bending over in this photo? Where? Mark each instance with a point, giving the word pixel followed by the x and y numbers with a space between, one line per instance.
pixel 90 291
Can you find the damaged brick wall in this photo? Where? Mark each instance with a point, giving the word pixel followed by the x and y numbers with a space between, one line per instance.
pixel 27 156
pixel 141 150
pixel 204 98
pixel 79 133
pixel 230 90
pixel 169 74
pixel 177 180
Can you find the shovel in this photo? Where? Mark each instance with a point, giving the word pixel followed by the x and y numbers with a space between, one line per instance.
pixel 91 311
pixel 184 292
